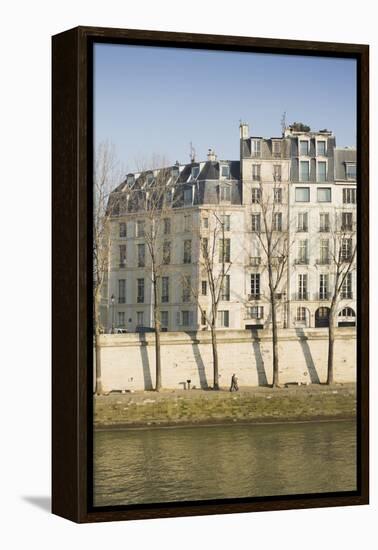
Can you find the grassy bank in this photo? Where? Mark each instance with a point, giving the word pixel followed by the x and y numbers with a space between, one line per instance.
pixel 207 407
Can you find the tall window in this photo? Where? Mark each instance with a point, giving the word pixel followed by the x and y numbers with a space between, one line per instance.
pixel 225 171
pixel 346 288
pixel 225 193
pixel 187 222
pixel 195 172
pixel 346 249
pixel 165 290
pixel 167 226
pixel 121 291
pixel 166 252
pixel 346 221
pixel 302 194
pixel 140 291
pixel 301 314
pixel 349 196
pixel 324 194
pixel 164 319
pixel 122 255
pixel 278 195
pixel 304 170
pixel 256 147
pixel 225 221
pixel 186 318
pixel 140 225
pixel 205 247
pixel 351 171
pixel 303 251
pixel 203 318
pixel 256 172
pixel 303 221
pixel 256 222
pixel 188 196
pixel 224 250
pixel 277 221
pixel 277 172
pixel 276 148
pixel 321 148
pixel 302 286
pixel 324 251
pixel 140 318
pixel 187 252
pixel 141 255
pixel 225 294
pixel 321 171
pixel 256 312
pixel 121 318
pixel 324 222
pixel 223 318
pixel 303 147
pixel 323 286
pixel 256 195
pixel 255 286
pixel 204 288
pixel 205 222
pixel 122 229
pixel 186 288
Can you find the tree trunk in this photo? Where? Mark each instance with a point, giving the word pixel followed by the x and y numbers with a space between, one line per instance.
pixel 215 357
pixel 275 344
pixel 331 343
pixel 157 338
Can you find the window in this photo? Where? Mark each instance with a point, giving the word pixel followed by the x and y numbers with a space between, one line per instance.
pixel 324 222
pixel 121 318
pixel 347 312
pixel 225 294
pixel 141 255
pixel 175 172
pixel 304 170
pixel 164 319
pixel 276 148
pixel 225 221
pixel 277 172
pixel 349 196
pixel 256 312
pixel 256 172
pixel 321 148
pixel 169 196
pixel 303 251
pixel 195 172
pixel 122 255
pixel 121 291
pixel 167 226
pixel 204 288
pixel 122 230
pixel 150 178
pixel 256 147
pixel 346 288
pixel 203 318
pixel 323 286
pixel 346 221
pixel 324 194
pixel 140 225
pixel 187 196
pixel 324 251
pixel 346 249
pixel 187 222
pixel 187 252
pixel 186 287
pixel 256 222
pixel 130 179
pixel 256 195
pixel 223 318
pixel 165 290
pixel 225 171
pixel 302 286
pixel 301 314
pixel 225 193
pixel 206 223
pixel 187 318
pixel 255 286
pixel 350 171
pixel 277 221
pixel 224 250
pixel 302 194
pixel 166 252
pixel 303 147
pixel 140 318
pixel 303 221
pixel 205 244
pixel 140 291
pixel 321 171
pixel 278 196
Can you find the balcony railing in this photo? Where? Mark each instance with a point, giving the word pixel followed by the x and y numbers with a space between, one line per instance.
pixel 254 261
pixel 346 295
pixel 323 261
pixel 253 297
pixel 122 263
pixel 301 261
pixel 300 296
pixel 302 229
pixel 347 227
pixel 320 296
pixel 324 229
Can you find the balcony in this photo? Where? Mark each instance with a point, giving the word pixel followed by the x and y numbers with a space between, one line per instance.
pixel 301 261
pixel 300 296
pixel 322 296
pixel 324 229
pixel 323 261
pixel 347 227
pixel 348 295
pixel 254 297
pixel 254 261
pixel 302 229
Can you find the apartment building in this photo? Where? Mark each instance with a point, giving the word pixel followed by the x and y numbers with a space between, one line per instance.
pixel 305 183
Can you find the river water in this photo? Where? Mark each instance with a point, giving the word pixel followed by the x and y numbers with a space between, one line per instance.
pixel 199 463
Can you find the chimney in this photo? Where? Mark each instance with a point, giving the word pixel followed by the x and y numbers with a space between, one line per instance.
pixel 244 130
pixel 211 155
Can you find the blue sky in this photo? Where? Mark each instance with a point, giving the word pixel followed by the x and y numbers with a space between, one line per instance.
pixel 155 101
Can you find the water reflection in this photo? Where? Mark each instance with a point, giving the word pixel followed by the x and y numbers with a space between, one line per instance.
pixel 160 465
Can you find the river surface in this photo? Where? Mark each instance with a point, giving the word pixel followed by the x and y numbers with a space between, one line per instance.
pixel 199 463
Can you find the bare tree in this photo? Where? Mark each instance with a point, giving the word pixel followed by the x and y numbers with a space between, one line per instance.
pixel 105 177
pixel 342 256
pixel 273 235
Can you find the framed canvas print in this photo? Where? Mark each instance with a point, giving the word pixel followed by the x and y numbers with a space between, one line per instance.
pixel 210 274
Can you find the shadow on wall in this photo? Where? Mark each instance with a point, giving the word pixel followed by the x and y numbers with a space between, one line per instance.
pixel 314 377
pixel 260 367
pixel 199 361
pixel 145 362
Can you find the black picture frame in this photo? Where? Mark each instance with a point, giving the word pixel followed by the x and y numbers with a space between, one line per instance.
pixel 72 161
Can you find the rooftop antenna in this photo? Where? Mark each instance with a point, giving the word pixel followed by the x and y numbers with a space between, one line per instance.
pixel 192 154
pixel 283 123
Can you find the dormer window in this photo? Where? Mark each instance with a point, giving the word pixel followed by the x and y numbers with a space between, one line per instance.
pixel 225 193
pixel 175 172
pixel 321 148
pixel 195 172
pixel 150 178
pixel 276 148
pixel 130 179
pixel 225 171
pixel 188 196
pixel 256 148
pixel 303 147
pixel 350 171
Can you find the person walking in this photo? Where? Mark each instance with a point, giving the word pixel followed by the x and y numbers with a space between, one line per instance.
pixel 234 383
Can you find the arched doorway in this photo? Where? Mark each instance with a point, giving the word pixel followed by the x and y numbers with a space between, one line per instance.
pixel 347 317
pixel 322 317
